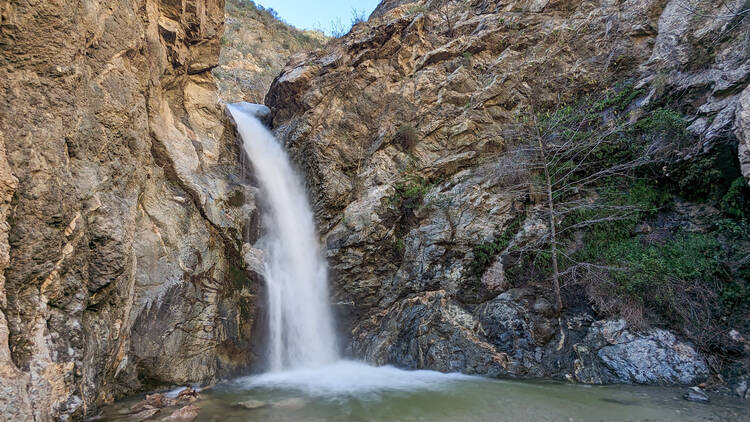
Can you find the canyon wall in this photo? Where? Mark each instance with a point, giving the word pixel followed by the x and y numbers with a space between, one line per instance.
pixel 123 208
pixel 404 128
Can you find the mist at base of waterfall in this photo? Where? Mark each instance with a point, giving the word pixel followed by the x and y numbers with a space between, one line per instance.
pixel 350 379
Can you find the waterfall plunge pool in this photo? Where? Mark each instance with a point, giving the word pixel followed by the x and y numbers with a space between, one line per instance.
pixel 355 392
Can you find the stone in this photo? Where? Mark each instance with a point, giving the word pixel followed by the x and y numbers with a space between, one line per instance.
pixel 696 394
pixel 187 413
pixel 152 401
pixel 144 414
pixel 653 357
pixel 252 404
pixel 742 131
pixel 260 111
pixel 122 241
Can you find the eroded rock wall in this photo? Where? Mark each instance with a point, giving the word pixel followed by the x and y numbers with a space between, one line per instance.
pixel 427 95
pixel 123 208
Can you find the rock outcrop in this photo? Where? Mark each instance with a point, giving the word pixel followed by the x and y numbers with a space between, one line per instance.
pixel 254 48
pixel 122 208
pixel 402 127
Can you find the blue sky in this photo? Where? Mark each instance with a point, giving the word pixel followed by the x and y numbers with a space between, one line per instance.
pixel 320 14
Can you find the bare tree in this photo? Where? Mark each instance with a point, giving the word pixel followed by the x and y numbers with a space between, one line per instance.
pixel 563 157
pixel 449 12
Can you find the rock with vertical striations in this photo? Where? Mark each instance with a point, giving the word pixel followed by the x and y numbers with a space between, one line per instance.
pixel 122 248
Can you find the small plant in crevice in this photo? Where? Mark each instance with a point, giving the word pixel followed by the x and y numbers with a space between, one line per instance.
pixel 486 253
pixel 410 192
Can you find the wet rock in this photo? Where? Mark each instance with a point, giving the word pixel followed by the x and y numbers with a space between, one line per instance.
pixel 696 394
pixel 260 111
pixel 611 353
pixel 144 414
pixel 252 404
pixel 741 386
pixel 187 413
pixel 431 331
pixel 187 395
pixel 153 401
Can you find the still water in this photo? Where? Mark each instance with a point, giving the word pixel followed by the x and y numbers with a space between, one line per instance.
pixel 354 392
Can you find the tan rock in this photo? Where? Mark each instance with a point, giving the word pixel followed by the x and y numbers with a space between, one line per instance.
pixel 187 413
pixel 120 166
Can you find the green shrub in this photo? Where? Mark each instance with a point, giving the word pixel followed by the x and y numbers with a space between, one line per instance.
pixel 736 202
pixel 415 9
pixel 619 99
pixel 410 193
pixel 485 253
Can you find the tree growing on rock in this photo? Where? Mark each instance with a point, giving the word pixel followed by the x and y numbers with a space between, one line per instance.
pixel 567 165
pixel 449 12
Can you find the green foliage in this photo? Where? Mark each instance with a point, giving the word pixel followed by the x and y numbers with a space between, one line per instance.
pixel 664 122
pixel 650 272
pixel 467 55
pixel 410 192
pixel 698 179
pixel 400 245
pixel 736 201
pixel 485 253
pixel 619 99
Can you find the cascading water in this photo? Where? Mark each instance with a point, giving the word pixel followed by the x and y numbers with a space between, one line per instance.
pixel 302 347
pixel 300 322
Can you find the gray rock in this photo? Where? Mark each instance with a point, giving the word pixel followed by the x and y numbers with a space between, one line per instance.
pixel 696 394
pixel 653 357
pixel 260 111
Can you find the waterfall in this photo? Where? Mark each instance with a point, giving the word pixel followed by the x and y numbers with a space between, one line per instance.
pixel 301 333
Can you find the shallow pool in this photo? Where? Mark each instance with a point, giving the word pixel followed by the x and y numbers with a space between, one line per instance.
pixel 354 392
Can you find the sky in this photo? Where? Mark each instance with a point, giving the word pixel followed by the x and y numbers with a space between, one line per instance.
pixel 327 15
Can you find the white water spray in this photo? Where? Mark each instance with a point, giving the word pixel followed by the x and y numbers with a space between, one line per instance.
pixel 300 322
pixel 302 346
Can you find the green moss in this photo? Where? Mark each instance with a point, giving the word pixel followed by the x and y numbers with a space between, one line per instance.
pixel 485 253
pixel 237 276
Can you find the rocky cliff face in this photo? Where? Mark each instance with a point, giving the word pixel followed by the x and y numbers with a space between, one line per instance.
pixel 254 48
pixel 402 128
pixel 122 212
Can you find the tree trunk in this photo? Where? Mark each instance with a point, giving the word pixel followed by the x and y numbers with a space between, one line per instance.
pixel 552 228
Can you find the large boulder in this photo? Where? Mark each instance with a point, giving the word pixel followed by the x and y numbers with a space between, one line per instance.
pixel 610 353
